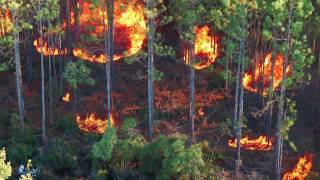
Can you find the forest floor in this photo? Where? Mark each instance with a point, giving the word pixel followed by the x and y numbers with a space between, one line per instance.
pixel 213 105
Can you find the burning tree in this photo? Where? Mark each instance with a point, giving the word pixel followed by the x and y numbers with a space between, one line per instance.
pixel 301 169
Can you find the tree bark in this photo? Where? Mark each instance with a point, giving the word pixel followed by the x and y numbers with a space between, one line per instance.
pixel 109 45
pixel 19 83
pixel 240 115
pixel 282 99
pixel 43 114
pixel 151 32
pixel 192 90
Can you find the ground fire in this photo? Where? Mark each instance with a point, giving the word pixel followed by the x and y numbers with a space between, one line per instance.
pixel 260 79
pixel 93 124
pixel 301 169
pixel 130 30
pixel 66 97
pixel 206 48
pixel 262 143
pixel 5 22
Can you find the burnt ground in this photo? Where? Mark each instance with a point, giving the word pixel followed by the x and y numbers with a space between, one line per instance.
pixel 171 100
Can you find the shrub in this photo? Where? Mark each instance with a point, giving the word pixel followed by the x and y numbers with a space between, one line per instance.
pixel 22 145
pixel 168 157
pixel 5 168
pixel 68 125
pixel 58 155
pixel 103 149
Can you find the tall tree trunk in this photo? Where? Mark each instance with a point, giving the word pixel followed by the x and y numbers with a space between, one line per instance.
pixel 43 114
pixel 270 98
pixel 192 89
pixel 240 115
pixel 282 99
pixel 151 32
pixel 68 23
pixel 18 71
pixel 30 57
pixel 109 44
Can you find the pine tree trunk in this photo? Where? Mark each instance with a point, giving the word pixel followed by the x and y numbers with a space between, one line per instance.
pixel 109 44
pixel 151 26
pixel 273 60
pixel 282 99
pixel 19 83
pixel 192 90
pixel 240 115
pixel 43 115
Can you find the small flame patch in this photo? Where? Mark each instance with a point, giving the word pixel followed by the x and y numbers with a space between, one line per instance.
pixel 262 143
pixel 92 124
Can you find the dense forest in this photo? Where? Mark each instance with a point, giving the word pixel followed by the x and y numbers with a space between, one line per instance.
pixel 160 89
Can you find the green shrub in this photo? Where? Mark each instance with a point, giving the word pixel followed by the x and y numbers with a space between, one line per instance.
pixel 168 157
pixel 22 145
pixel 128 123
pixel 58 155
pixel 5 168
pixel 103 149
pixel 68 125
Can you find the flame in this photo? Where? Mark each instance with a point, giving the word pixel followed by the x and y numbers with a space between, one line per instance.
pixel 264 72
pixel 301 169
pixel 262 143
pixel 66 97
pixel 93 124
pixel 200 112
pixel 130 30
pixel 5 22
pixel 43 48
pixel 206 48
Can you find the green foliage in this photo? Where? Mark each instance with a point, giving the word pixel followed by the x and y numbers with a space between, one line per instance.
pixel 22 145
pixel 58 155
pixel 68 125
pixel 103 149
pixel 289 121
pixel 78 73
pixel 168 157
pixel 5 168
pixel 128 123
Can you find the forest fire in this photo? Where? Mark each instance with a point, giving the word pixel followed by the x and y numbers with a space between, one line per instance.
pixel 43 48
pixel 5 22
pixel 260 79
pixel 206 48
pixel 301 169
pixel 262 143
pixel 92 124
pixel 130 30
pixel 66 97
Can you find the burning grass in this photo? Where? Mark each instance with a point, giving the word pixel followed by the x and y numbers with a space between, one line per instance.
pixel 262 143
pixel 301 169
pixel 93 124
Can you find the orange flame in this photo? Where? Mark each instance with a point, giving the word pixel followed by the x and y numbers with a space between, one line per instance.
pixel 43 48
pixel 66 97
pixel 93 124
pixel 264 72
pixel 130 24
pixel 5 22
pixel 301 169
pixel 206 48
pixel 262 143
pixel 201 112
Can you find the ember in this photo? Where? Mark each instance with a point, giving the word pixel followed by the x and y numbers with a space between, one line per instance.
pixel 5 22
pixel 264 73
pixel 206 48
pixel 93 124
pixel 301 169
pixel 66 98
pixel 262 143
